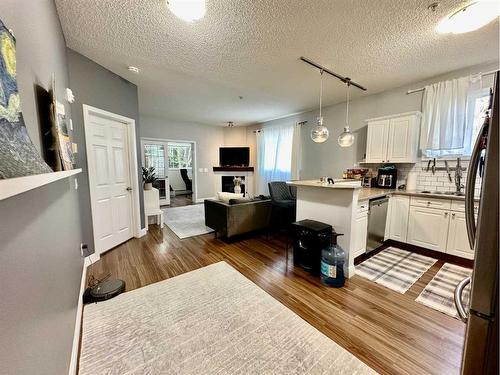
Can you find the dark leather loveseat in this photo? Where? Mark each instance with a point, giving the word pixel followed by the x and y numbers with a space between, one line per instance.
pixel 228 220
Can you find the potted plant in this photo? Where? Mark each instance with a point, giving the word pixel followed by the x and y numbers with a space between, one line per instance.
pixel 148 176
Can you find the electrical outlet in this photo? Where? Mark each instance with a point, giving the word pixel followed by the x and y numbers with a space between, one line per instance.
pixel 82 245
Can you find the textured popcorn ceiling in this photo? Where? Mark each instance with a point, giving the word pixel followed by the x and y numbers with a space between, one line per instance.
pixel 197 71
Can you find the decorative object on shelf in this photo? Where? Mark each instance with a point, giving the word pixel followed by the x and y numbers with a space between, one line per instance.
pixel 237 185
pixel 18 155
pixel 320 133
pixel 63 144
pixel 69 96
pixel 346 138
pixel 189 11
pixel 148 176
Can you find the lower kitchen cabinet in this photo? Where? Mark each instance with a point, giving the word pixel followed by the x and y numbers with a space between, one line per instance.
pixel 458 242
pixel 428 227
pixel 397 220
pixel 361 231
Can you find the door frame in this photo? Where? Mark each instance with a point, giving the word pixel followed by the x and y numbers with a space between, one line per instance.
pixel 88 110
pixel 194 167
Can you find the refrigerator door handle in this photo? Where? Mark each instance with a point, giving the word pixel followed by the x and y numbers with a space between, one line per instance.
pixel 470 185
pixel 463 315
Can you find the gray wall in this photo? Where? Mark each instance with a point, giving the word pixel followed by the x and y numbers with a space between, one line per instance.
pixel 40 231
pixel 208 140
pixel 329 159
pixel 98 87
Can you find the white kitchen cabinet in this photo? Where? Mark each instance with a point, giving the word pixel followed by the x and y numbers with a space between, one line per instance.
pixel 458 242
pixel 361 231
pixel 428 227
pixel 376 141
pixel 398 218
pixel 393 139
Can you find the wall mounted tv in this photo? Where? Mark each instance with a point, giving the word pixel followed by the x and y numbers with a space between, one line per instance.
pixel 234 156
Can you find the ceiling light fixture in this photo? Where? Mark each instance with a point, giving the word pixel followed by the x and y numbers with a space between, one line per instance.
pixel 470 17
pixel 187 10
pixel 134 69
pixel 346 138
pixel 230 124
pixel 320 133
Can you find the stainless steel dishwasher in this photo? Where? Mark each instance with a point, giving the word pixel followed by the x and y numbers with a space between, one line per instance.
pixel 377 216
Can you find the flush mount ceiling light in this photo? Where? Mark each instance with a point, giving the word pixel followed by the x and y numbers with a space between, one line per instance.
pixel 320 133
pixel 470 17
pixel 346 138
pixel 133 69
pixel 187 10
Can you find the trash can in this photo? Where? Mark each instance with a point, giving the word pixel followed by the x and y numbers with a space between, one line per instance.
pixel 310 237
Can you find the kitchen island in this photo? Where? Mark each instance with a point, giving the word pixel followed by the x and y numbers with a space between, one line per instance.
pixel 335 204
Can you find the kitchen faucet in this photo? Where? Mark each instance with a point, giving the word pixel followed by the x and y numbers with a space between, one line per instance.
pixel 458 177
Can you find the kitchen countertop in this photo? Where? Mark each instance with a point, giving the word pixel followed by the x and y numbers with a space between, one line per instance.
pixel 339 184
pixel 372 193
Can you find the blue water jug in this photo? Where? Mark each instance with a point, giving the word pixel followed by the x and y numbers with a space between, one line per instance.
pixel 332 264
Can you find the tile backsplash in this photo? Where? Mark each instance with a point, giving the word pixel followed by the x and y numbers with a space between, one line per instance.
pixel 426 180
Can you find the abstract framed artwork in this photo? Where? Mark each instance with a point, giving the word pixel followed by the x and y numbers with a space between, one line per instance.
pixel 18 155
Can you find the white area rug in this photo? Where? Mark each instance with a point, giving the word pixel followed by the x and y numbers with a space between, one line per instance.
pixel 439 293
pixel 212 320
pixel 395 269
pixel 186 221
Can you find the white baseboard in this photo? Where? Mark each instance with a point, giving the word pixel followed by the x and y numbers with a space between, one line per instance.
pixel 73 364
pixel 142 232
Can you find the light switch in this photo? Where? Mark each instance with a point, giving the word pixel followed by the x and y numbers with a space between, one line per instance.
pixel 76 183
pixel 74 148
pixel 205 170
pixel 70 124
pixel 200 170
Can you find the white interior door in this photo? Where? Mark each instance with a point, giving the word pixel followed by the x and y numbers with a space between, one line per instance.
pixel 110 182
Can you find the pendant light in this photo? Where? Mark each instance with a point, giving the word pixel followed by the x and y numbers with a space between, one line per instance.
pixel 320 133
pixel 346 138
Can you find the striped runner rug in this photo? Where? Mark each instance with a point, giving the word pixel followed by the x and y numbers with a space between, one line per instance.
pixel 395 269
pixel 438 294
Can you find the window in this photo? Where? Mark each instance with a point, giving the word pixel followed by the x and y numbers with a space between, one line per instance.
pixel 179 155
pixel 453 113
pixel 274 156
pixel 154 156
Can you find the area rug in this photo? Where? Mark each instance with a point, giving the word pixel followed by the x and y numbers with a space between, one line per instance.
pixel 395 269
pixel 439 293
pixel 212 320
pixel 186 221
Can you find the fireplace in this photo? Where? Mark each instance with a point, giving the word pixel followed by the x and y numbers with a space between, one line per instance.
pixel 228 183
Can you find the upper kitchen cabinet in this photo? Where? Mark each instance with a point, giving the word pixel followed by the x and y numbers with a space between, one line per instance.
pixel 393 139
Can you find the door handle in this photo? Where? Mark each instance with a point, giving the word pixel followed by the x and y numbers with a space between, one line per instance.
pixel 463 315
pixel 129 188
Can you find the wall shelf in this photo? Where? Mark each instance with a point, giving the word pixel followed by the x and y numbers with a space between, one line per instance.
pixel 14 186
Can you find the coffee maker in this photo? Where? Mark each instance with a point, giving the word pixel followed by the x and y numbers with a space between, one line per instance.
pixel 387 178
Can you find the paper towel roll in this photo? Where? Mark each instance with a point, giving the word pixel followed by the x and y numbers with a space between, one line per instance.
pixel 411 181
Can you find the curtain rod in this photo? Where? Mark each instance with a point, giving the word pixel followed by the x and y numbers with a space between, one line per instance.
pixel 346 80
pixel 259 130
pixel 423 88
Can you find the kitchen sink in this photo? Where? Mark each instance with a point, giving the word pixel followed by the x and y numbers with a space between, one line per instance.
pixel 456 193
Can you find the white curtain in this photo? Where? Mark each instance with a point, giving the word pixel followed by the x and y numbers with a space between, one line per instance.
pixel 444 121
pixel 274 156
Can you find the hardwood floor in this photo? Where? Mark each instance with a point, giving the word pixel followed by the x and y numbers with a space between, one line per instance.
pixel 388 331
pixel 180 200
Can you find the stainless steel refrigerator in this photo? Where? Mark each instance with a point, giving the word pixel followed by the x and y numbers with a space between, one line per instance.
pixel 480 354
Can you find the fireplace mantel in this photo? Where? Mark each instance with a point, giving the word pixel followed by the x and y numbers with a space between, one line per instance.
pixel 233 169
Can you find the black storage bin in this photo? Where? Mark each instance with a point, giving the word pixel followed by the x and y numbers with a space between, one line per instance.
pixel 309 238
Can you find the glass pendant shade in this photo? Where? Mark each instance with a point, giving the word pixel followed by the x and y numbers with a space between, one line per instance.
pixel 346 138
pixel 320 133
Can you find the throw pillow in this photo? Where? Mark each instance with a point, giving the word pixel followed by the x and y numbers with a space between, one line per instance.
pixel 225 197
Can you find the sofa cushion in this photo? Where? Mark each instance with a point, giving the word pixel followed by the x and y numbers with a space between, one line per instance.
pixel 239 201
pixel 225 197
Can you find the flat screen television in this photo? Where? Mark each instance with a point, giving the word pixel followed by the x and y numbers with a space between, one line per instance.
pixel 234 156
